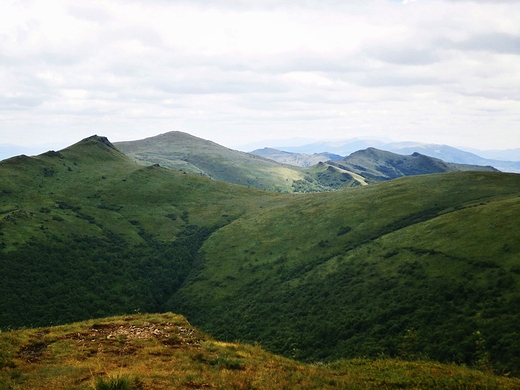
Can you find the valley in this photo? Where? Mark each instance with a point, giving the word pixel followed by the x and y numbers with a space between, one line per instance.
pixel 421 267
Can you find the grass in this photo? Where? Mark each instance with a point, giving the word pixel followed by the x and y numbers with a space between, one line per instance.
pixel 118 383
pixel 180 151
pixel 89 355
pixel 317 277
pixel 345 274
pixel 110 215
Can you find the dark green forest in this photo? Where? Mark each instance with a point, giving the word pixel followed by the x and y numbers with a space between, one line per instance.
pixel 87 277
pixel 472 318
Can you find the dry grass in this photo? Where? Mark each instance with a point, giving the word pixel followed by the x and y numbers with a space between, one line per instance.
pixel 164 352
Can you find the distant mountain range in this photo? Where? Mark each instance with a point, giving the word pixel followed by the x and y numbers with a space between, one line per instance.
pixel 297 159
pixel 306 153
pixel 505 161
pixel 284 171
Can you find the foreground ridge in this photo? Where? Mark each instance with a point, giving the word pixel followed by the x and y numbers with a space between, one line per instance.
pixel 163 351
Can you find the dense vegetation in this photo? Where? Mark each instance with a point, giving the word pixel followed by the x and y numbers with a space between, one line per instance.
pixel 87 233
pixel 163 351
pixel 90 277
pixel 421 267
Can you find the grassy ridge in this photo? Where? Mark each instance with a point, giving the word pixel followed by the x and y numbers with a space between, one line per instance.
pixel 354 272
pixel 177 150
pixel 87 232
pixel 379 165
pixel 181 151
pixel 163 351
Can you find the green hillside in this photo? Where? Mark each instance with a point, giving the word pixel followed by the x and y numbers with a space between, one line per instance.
pixel 181 151
pixel 87 232
pixel 163 351
pixel 420 267
pixel 378 165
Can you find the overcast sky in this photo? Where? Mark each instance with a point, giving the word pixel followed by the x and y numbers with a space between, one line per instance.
pixel 239 71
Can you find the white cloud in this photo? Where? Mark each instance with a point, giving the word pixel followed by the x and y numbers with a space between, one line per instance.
pixel 237 71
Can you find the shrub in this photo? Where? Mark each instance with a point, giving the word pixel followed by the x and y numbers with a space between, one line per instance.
pixel 344 230
pixel 118 383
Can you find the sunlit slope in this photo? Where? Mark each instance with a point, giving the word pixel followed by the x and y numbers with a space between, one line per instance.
pixel 163 351
pixel 93 179
pixel 87 232
pixel 181 151
pixel 426 265
pixel 378 165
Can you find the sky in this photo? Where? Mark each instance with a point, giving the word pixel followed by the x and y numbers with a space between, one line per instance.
pixel 240 71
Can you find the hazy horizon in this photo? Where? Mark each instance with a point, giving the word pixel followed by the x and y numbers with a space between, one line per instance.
pixel 236 72
pixel 11 150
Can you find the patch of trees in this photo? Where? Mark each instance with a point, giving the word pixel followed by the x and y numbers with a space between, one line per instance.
pixel 358 310
pixel 57 282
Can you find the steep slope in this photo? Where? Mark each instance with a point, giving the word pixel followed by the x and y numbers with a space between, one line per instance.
pixel 426 265
pixel 87 232
pixel 182 151
pixel 377 165
pixel 164 351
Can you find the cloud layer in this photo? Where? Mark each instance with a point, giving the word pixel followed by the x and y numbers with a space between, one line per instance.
pixel 237 71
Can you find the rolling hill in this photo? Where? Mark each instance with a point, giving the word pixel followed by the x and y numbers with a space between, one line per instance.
pixel 503 160
pixel 377 165
pixel 181 151
pixel 431 260
pixel 423 266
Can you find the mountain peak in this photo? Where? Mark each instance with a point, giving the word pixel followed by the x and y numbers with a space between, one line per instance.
pixel 95 146
pixel 100 139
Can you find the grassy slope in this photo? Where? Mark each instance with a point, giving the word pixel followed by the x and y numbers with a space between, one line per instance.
pixel 353 272
pixel 164 351
pixel 378 165
pixel 182 151
pixel 106 185
pixel 179 150
pixel 86 232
